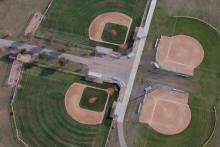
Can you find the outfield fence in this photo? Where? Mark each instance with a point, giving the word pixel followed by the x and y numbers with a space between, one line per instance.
pixel 18 135
pixel 107 138
pixel 48 7
pixel 214 128
pixel 194 18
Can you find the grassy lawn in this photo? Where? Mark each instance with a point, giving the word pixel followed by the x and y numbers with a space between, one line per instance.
pixel 41 114
pixel 70 19
pixel 117 38
pixel 200 127
pixel 101 96
pixel 54 63
pixel 204 95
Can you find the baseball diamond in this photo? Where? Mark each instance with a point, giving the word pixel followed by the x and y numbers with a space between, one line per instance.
pixel 109 73
pixel 85 116
pixel 202 87
pixel 166 111
pixel 71 20
pixel 180 53
pixel 97 27
pixel 48 112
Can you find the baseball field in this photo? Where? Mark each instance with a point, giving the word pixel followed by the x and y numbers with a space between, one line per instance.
pixel 70 19
pixel 41 115
pixel 203 88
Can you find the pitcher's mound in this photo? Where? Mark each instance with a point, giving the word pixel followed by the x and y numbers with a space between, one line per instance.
pixel 166 111
pixel 93 100
pixel 73 97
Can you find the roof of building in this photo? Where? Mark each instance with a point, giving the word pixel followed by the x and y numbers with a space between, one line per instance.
pixel 25 58
pixel 103 50
pixel 94 74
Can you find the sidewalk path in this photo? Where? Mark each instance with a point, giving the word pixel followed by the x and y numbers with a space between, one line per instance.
pixel 139 44
pixel 107 66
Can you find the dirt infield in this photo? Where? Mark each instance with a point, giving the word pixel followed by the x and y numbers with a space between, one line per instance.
pixel 166 111
pixel 72 103
pixel 181 54
pixel 97 26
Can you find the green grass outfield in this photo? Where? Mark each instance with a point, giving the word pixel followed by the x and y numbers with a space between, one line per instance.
pixel 101 96
pixel 41 114
pixel 204 95
pixel 70 19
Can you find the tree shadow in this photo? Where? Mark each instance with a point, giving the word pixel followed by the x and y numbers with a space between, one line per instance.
pixel 34 50
pixel 47 71
pixel 16 45
pixel 54 53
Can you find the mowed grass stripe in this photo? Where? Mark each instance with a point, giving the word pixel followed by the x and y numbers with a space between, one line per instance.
pixel 50 121
pixel 28 125
pixel 70 19
pixel 78 15
pixel 83 130
pixel 193 136
pixel 205 91
pixel 41 115
pixel 208 37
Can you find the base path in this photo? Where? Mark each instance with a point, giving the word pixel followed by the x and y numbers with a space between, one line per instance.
pixel 97 26
pixel 166 111
pixel 181 54
pixel 81 115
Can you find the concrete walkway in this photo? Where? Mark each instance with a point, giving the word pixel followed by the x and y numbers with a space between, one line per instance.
pixel 139 44
pixel 107 66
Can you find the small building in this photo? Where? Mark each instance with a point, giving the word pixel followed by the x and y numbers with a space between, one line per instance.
pixel 24 58
pixel 2 50
pixel 148 89
pixel 130 55
pixel 94 77
pixel 115 55
pixel 103 51
pixel 157 43
pixel 117 110
pixel 141 34
pixel 113 109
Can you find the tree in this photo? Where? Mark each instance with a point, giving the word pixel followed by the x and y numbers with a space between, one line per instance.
pixel 43 55
pixel 62 61
pixel 22 51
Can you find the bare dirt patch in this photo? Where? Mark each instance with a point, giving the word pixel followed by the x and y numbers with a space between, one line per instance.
pixel 15 14
pixel 7 138
pixel 166 111
pixel 181 54
pixel 97 26
pixel 81 115
pixel 34 23
pixel 15 73
pixel 203 9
